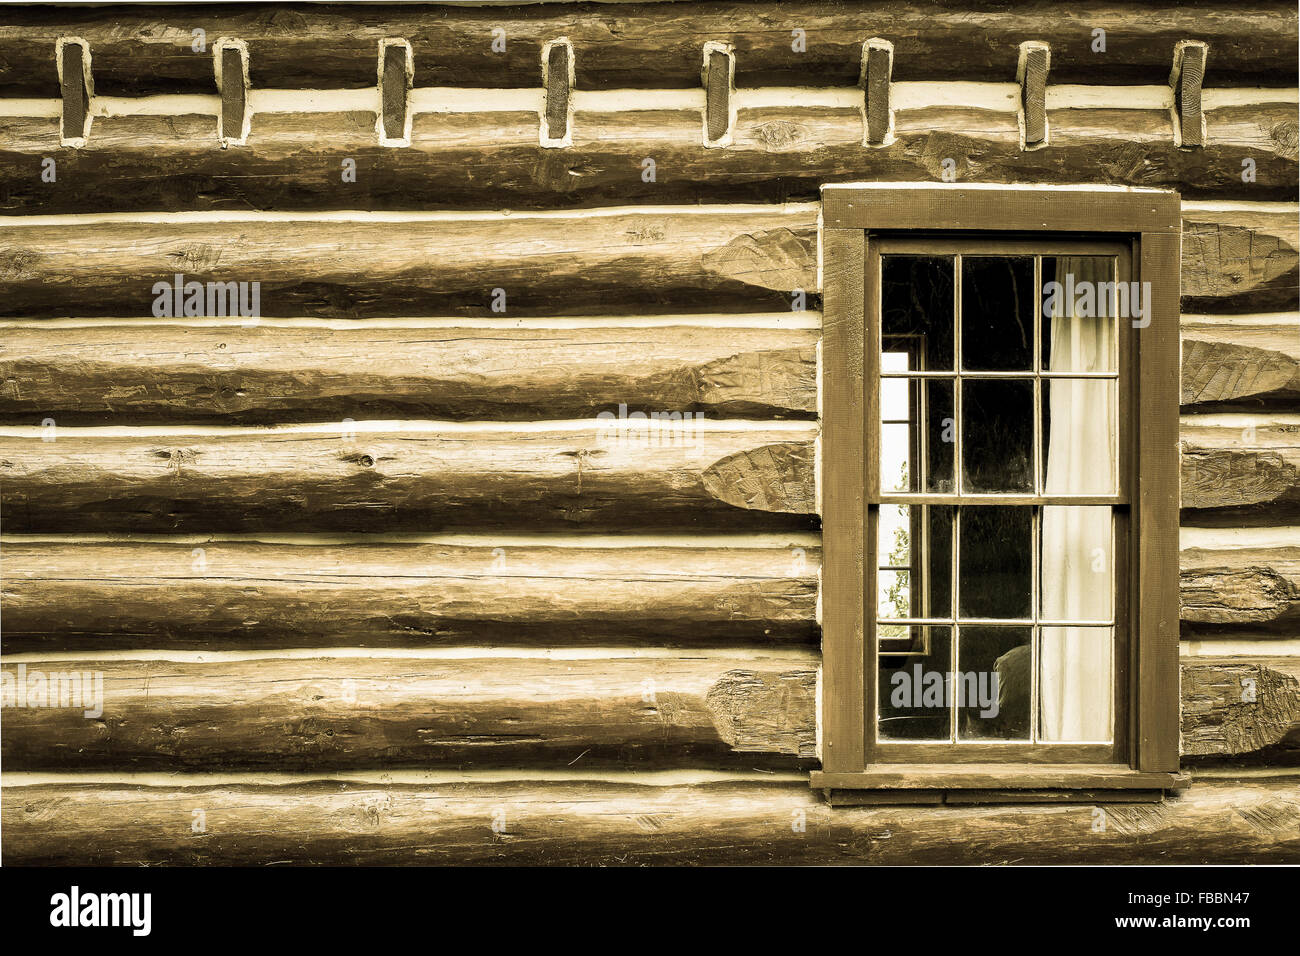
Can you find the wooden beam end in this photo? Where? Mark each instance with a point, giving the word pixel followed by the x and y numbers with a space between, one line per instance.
pixel 396 78
pixel 559 75
pixel 1031 73
pixel 718 75
pixel 76 85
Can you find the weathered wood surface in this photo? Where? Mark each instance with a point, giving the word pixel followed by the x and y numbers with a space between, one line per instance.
pixel 709 709
pixel 658 259
pixel 1240 705
pixel 1249 363
pixel 607 823
pixel 706 710
pixel 1247 471
pixel 144 373
pixel 600 475
pixel 1232 587
pixel 93 596
pixel 610 474
pixel 150 49
pixel 655 259
pixel 268 374
pixel 1240 258
pixel 480 160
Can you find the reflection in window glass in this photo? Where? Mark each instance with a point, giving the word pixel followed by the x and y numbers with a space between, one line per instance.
pixel 1020 391
pixel 997 313
pixel 916 302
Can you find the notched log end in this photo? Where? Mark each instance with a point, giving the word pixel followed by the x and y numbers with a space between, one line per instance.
pixel 772 478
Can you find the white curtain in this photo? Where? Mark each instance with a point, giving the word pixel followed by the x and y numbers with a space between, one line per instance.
pixel 1076 680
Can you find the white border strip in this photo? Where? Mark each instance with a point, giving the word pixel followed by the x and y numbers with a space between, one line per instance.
pixel 905 95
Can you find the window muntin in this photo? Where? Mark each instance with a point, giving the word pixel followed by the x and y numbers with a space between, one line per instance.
pixel 1000 460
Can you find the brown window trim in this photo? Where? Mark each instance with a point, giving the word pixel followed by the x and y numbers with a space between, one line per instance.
pixel 1150 220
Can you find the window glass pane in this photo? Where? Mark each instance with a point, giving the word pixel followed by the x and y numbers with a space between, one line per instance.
pixel 996 562
pixel 917 436
pixel 916 303
pixel 1077 579
pixel 1079 307
pixel 912 690
pixel 997 312
pixel 992 685
pixel 1080 436
pixel 1076 684
pixel 997 421
pixel 915 561
pixel 894 404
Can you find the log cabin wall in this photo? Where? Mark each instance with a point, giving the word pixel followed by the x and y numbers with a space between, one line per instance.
pixel 364 574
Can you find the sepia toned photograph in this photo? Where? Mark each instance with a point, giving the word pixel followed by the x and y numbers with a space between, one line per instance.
pixel 652 434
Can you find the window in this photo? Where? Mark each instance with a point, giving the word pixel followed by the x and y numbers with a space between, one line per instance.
pixel 1000 491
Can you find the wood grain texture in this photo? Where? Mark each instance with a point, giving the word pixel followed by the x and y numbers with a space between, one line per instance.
pixel 1245 473
pixel 1240 260
pixel 730 259
pixel 592 823
pixel 1188 75
pixel 88 596
pixel 1239 705
pixel 483 160
pixel 702 710
pixel 612 474
pixel 148 49
pixel 737 259
pixel 717 95
pixel 394 90
pixel 268 374
pixel 1231 364
pixel 1032 76
pixel 706 708
pixel 234 95
pixel 558 69
pixel 845 414
pixel 601 476
pixel 878 65
pixel 1240 587
pixel 72 83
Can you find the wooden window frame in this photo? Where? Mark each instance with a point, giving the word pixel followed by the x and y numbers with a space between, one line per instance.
pixel 1150 222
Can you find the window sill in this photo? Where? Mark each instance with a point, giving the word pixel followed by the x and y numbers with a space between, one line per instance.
pixel 993 783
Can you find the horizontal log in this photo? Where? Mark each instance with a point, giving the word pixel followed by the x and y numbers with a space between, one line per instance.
pixel 202 594
pixel 425 476
pixel 708 710
pixel 150 49
pixel 1240 258
pixel 1236 257
pixel 1245 362
pixel 1240 467
pixel 712 709
pixel 1237 706
pixel 1233 587
pixel 611 823
pixel 91 596
pixel 274 373
pixel 585 475
pixel 476 160
pixel 659 259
